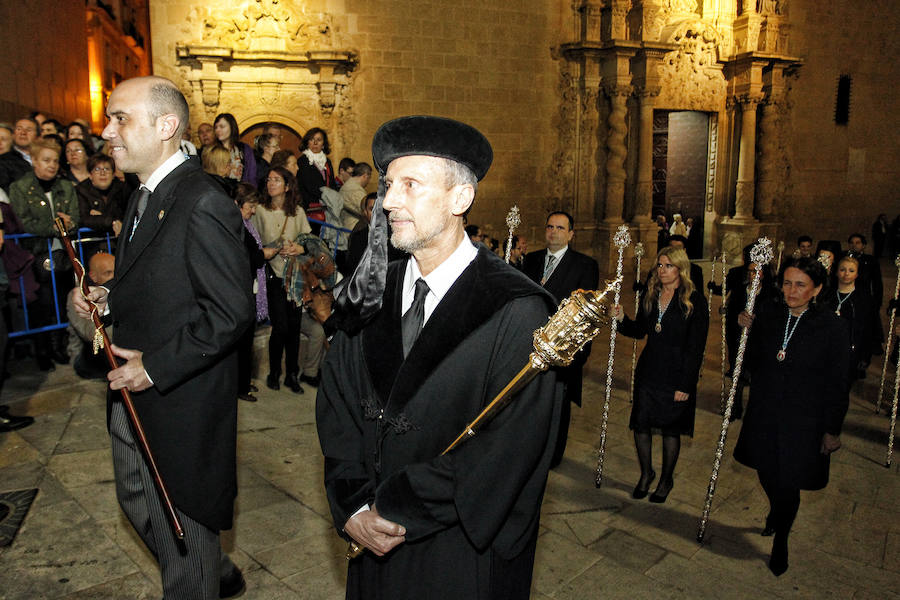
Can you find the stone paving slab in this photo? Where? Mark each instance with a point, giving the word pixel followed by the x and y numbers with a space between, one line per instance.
pixel 593 543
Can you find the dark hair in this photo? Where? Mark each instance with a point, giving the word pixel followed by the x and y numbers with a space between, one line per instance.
pixel 746 254
pixel 56 124
pixel 262 141
pixel 678 238
pixel 53 137
pixel 360 169
pixel 832 246
pixel 804 238
pixel 566 215
pixel 810 266
pixel 861 237
pixel 347 164
pixel 280 158
pixel 472 230
pixel 98 158
pixel 88 141
pixel 244 193
pixel 65 160
pixel 232 125
pixel 165 98
pixel 291 194
pixel 304 143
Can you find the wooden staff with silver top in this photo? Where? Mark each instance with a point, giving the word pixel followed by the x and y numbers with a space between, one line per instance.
pixel 512 222
pixel 780 253
pixel 621 239
pixel 638 254
pixel 887 349
pixel 760 256
pixel 578 320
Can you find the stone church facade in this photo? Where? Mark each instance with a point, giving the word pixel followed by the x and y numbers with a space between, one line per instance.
pixel 584 101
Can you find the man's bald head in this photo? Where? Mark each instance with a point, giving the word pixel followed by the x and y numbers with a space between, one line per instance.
pixel 102 267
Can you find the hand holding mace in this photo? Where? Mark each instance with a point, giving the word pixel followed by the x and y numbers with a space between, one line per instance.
pixel 577 321
pixel 621 239
pixel 101 340
pixel 512 222
pixel 760 256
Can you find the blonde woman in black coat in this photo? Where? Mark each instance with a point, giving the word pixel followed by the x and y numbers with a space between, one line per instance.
pixel 798 353
pixel 674 317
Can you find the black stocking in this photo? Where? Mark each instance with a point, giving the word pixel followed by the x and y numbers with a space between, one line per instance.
pixel 643 443
pixel 671 448
pixel 783 505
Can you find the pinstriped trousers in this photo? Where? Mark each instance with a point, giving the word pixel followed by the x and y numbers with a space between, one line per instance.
pixel 190 568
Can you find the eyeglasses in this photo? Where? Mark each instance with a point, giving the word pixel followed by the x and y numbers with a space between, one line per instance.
pixel 101 170
pixel 75 151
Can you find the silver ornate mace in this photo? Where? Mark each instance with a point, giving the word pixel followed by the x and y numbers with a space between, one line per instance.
pixel 760 256
pixel 512 222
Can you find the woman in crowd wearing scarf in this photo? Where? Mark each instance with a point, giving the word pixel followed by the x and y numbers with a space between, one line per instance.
pixel 314 171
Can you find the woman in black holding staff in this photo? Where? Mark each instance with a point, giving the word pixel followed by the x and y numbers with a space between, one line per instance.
pixel 674 316
pixel 798 353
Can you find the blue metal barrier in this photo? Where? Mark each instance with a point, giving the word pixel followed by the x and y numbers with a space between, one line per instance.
pixel 340 231
pixel 78 242
pixel 86 235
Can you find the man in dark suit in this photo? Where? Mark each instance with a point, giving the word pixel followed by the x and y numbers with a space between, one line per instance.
pixel 561 271
pixel 180 300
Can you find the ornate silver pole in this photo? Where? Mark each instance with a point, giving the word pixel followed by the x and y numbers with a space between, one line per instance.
pixel 890 450
pixel 761 255
pixel 638 254
pixel 512 222
pixel 621 239
pixel 887 348
pixel 724 324
pixel 712 279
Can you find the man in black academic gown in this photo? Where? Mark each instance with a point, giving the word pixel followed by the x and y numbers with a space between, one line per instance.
pixel 426 343
pixel 562 270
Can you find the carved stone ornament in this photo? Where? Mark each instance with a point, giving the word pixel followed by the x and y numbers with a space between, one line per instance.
pixel 691 77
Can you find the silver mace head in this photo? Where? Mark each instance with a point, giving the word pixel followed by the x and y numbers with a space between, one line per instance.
pixel 825 260
pixel 639 250
pixel 622 238
pixel 512 218
pixel 897 261
pixel 762 253
pixel 578 320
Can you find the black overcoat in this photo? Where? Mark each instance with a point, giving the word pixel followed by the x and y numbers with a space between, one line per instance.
pixel 472 515
pixel 672 357
pixel 794 402
pixel 181 295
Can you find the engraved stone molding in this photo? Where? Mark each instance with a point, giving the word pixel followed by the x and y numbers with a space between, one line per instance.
pixel 561 171
pixel 616 150
pixel 712 154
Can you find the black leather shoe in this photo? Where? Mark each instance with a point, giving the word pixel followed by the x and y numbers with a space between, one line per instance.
pixel 778 561
pixel 293 384
pixel 59 357
pixel 272 382
pixel 247 397
pixel 253 388
pixel 658 498
pixel 232 585
pixel 310 381
pixel 10 422
pixel 640 493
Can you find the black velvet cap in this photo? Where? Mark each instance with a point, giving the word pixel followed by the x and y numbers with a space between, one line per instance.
pixel 432 136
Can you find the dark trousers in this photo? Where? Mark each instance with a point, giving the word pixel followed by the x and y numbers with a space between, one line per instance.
pixel 245 358
pixel 285 337
pixel 783 503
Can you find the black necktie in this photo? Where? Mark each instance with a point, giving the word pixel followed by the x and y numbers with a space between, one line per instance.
pixel 143 194
pixel 411 322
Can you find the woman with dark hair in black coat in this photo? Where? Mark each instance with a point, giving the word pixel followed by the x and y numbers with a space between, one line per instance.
pixel 314 171
pixel 798 352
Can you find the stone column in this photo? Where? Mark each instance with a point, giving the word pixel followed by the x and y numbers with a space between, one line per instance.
pixel 744 196
pixel 643 205
pixel 616 151
pixel 769 157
